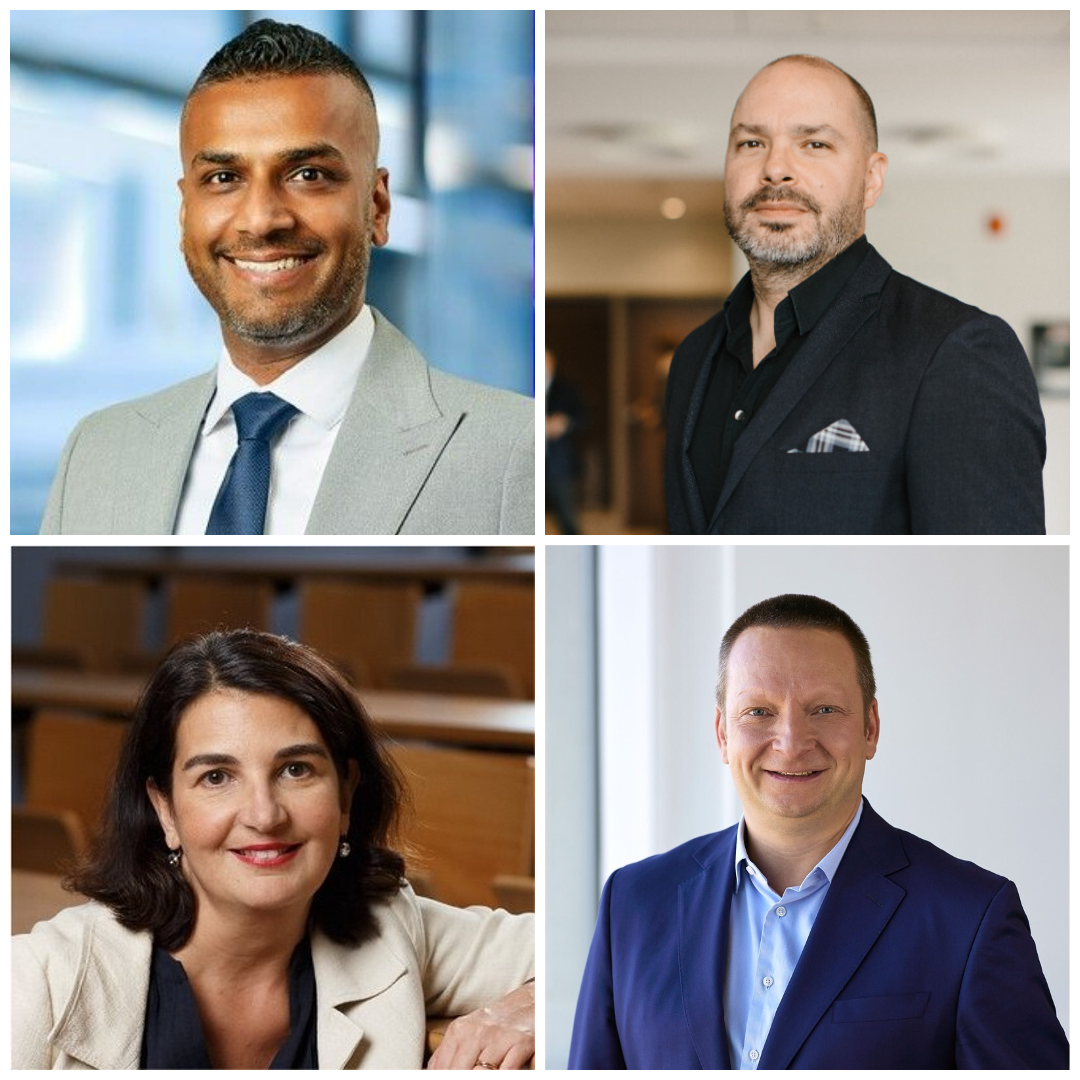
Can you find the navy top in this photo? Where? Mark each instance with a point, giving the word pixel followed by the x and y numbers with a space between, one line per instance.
pixel 173 1035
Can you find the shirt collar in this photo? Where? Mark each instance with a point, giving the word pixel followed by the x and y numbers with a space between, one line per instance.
pixel 320 386
pixel 827 864
pixel 810 298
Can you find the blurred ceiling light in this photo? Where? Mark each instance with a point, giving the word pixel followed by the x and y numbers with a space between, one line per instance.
pixel 669 141
pixel 673 208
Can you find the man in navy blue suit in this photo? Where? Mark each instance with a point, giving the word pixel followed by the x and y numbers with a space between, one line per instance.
pixel 812 935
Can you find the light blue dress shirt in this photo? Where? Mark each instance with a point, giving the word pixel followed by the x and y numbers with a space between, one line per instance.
pixel 765 940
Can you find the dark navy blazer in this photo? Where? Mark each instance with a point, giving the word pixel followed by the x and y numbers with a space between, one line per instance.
pixel 917 960
pixel 941 392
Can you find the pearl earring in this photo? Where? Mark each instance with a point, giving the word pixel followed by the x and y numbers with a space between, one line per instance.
pixel 344 849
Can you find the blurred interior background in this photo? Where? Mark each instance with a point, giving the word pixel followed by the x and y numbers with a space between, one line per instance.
pixel 973 111
pixel 971 654
pixel 438 641
pixel 102 308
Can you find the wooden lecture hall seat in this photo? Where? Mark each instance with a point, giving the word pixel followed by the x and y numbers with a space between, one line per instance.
pixel 197 605
pixel 494 629
pixel 98 622
pixel 471 819
pixel 70 760
pixel 366 628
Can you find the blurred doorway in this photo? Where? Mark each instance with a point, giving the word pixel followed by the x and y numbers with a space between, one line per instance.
pixel 616 352
pixel 655 328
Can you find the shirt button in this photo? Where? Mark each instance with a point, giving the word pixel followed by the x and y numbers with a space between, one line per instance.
pixel 767 981
pixel 754 1055
pixel 781 911
pixel 739 414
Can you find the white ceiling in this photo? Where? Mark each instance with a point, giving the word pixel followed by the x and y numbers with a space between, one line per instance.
pixel 649 94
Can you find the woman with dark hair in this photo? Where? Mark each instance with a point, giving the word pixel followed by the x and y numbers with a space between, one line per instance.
pixel 247 911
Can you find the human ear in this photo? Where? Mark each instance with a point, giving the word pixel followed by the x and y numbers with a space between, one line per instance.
pixel 163 808
pixel 721 736
pixel 380 217
pixel 873 729
pixel 876 168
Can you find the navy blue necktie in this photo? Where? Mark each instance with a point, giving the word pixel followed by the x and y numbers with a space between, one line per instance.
pixel 240 506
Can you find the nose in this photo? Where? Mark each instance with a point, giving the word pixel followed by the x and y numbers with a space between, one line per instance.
pixel 777 167
pixel 263 809
pixel 264 209
pixel 792 735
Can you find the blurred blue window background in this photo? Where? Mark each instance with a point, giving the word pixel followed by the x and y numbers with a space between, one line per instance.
pixel 102 308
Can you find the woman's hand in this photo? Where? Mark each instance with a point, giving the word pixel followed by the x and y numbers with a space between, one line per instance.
pixel 501 1035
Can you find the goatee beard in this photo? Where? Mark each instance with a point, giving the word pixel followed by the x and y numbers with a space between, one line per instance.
pixel 776 252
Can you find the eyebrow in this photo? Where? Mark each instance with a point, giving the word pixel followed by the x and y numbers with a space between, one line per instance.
pixel 286 157
pixel 798 129
pixel 294 751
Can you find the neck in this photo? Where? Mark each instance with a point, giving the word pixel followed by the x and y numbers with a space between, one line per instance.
pixel 228 946
pixel 785 851
pixel 263 362
pixel 773 281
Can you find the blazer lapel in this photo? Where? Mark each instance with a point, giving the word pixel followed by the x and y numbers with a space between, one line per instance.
pixel 114 966
pixel 838 325
pixel 390 440
pixel 860 902
pixel 347 977
pixel 155 471
pixel 704 914
pixel 695 508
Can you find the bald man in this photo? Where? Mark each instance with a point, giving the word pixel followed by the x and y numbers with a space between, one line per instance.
pixel 926 407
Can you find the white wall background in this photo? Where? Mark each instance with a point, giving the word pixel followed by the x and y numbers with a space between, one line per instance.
pixel 568 704
pixel 970 649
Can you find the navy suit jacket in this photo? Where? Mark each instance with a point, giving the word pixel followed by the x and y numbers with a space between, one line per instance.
pixel 917 960
pixel 941 393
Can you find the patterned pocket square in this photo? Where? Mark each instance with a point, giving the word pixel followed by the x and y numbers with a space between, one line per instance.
pixel 839 435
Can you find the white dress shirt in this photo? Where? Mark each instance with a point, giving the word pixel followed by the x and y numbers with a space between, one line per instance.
pixel 320 387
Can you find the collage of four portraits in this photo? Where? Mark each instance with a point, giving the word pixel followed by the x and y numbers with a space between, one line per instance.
pixel 478 763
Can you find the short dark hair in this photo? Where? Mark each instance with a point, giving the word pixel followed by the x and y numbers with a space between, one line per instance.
pixel 865 104
pixel 794 611
pixel 268 48
pixel 127 868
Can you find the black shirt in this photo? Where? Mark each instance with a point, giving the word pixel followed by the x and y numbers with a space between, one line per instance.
pixel 173 1035
pixel 736 388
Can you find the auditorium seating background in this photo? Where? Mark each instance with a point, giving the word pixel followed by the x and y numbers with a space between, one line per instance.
pixel 436 623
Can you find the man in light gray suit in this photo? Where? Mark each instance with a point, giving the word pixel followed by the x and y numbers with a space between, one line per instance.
pixel 320 417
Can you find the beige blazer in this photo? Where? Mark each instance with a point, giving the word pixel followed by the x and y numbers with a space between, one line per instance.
pixel 80 983
pixel 419 452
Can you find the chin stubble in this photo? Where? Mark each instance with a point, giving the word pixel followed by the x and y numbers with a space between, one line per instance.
pixel 297 324
pixel 776 250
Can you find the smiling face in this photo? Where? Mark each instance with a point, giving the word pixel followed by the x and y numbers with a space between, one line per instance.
pixel 795 730
pixel 282 201
pixel 256 804
pixel 801 171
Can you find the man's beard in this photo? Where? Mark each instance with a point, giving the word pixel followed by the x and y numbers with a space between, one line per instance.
pixel 778 248
pixel 295 324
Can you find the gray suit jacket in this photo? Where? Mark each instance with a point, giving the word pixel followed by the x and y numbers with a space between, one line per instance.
pixel 419 451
